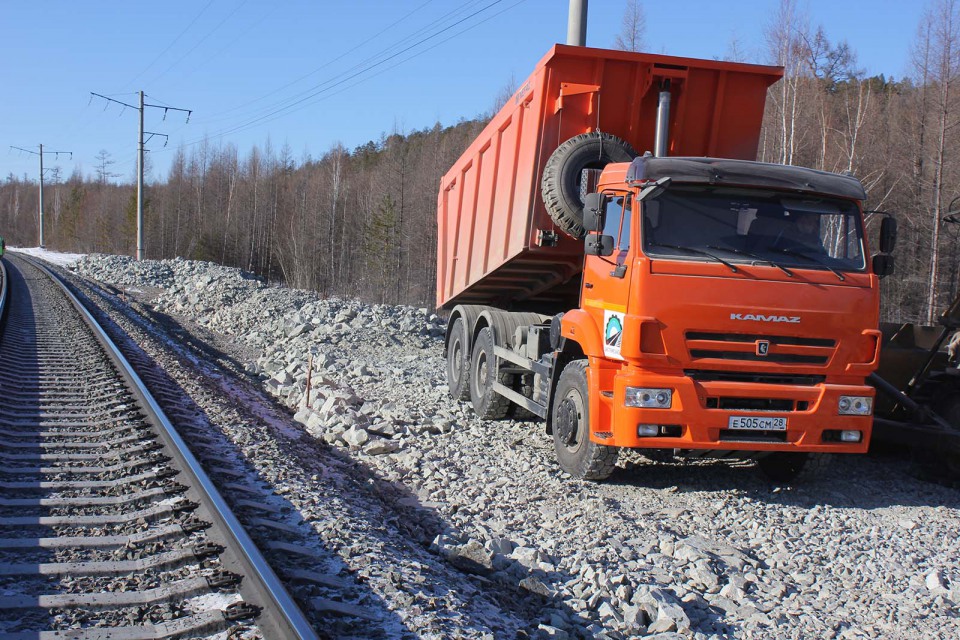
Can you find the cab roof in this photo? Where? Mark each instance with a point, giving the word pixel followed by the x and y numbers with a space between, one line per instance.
pixel 722 171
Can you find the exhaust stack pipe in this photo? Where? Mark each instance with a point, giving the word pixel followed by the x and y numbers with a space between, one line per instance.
pixel 577 23
pixel 663 121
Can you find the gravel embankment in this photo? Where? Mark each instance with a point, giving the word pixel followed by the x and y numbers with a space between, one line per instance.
pixel 705 549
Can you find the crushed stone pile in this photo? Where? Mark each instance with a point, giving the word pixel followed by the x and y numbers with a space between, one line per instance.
pixel 664 550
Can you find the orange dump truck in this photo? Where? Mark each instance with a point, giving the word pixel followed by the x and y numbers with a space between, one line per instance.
pixel 688 299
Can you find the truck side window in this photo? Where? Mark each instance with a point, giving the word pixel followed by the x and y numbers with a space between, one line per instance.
pixel 612 215
pixel 616 221
pixel 624 243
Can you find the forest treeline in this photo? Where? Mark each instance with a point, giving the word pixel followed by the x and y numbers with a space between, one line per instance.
pixel 362 222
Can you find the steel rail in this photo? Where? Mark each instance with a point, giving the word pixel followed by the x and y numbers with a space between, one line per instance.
pixel 291 623
pixel 4 290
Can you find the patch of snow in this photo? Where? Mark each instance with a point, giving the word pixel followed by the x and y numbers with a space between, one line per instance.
pixel 212 601
pixel 53 257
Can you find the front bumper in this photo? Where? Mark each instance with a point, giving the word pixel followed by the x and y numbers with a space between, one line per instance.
pixel 701 424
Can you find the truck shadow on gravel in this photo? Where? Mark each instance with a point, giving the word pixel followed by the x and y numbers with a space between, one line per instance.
pixel 872 481
pixel 319 549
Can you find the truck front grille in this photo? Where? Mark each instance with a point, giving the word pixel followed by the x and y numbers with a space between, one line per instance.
pixel 756 404
pixel 753 377
pixel 744 347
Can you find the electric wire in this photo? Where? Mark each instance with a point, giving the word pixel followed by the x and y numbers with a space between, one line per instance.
pixel 271 9
pixel 267 110
pixel 175 40
pixel 201 41
pixel 262 110
pixel 286 109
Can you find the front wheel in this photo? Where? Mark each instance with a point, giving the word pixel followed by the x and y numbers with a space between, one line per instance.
pixel 577 454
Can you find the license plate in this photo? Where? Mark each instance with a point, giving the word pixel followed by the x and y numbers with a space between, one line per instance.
pixel 757 423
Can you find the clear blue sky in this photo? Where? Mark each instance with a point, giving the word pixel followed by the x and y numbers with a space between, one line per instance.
pixel 231 61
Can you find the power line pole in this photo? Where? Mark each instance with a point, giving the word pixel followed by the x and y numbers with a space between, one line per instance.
pixel 140 149
pixel 140 186
pixel 40 204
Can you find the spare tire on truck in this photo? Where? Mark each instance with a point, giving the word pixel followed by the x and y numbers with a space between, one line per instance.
pixel 560 185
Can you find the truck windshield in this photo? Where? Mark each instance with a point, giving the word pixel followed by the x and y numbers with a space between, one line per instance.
pixel 751 225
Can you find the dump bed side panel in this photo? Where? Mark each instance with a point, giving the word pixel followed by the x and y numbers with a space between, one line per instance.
pixel 492 222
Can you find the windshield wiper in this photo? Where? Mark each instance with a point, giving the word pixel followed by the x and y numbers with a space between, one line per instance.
pixel 749 254
pixel 798 254
pixel 732 266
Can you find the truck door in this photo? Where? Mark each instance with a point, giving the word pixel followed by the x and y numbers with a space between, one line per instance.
pixel 606 279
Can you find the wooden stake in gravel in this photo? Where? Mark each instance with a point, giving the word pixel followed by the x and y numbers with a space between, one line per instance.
pixel 309 373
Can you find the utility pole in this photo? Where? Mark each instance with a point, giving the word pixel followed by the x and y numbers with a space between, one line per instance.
pixel 140 149
pixel 140 186
pixel 40 199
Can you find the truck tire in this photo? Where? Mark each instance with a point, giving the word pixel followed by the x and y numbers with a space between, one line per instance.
pixel 783 466
pixel 560 185
pixel 487 403
pixel 458 363
pixel 577 454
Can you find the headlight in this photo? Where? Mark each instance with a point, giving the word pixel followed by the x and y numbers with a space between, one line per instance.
pixel 855 406
pixel 648 398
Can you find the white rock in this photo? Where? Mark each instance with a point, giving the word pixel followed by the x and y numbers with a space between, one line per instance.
pixel 356 436
pixel 934 582
pixel 380 447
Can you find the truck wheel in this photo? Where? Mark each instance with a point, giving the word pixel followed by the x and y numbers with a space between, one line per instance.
pixel 563 173
pixel 458 364
pixel 783 466
pixel 487 403
pixel 577 454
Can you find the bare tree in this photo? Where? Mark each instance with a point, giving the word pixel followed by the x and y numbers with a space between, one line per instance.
pixel 782 36
pixel 943 31
pixel 735 50
pixel 504 94
pixel 104 164
pixel 632 28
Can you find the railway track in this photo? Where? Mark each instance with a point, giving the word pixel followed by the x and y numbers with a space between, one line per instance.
pixel 109 527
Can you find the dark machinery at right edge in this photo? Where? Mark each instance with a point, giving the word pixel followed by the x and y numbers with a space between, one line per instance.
pixel 918 386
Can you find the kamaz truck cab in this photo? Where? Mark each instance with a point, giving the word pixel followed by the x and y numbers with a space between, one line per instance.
pixel 727 305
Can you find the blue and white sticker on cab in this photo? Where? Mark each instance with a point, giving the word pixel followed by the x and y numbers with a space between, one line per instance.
pixel 612 333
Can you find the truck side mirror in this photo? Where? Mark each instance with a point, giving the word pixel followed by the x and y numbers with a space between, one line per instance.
pixel 888 235
pixel 883 264
pixel 593 207
pixel 598 245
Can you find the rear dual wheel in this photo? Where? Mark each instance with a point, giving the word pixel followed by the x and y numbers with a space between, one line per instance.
pixel 458 363
pixel 484 371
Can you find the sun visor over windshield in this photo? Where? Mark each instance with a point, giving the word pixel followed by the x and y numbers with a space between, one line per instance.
pixel 716 171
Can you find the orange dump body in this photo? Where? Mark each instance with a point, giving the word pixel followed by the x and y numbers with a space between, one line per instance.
pixel 495 239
